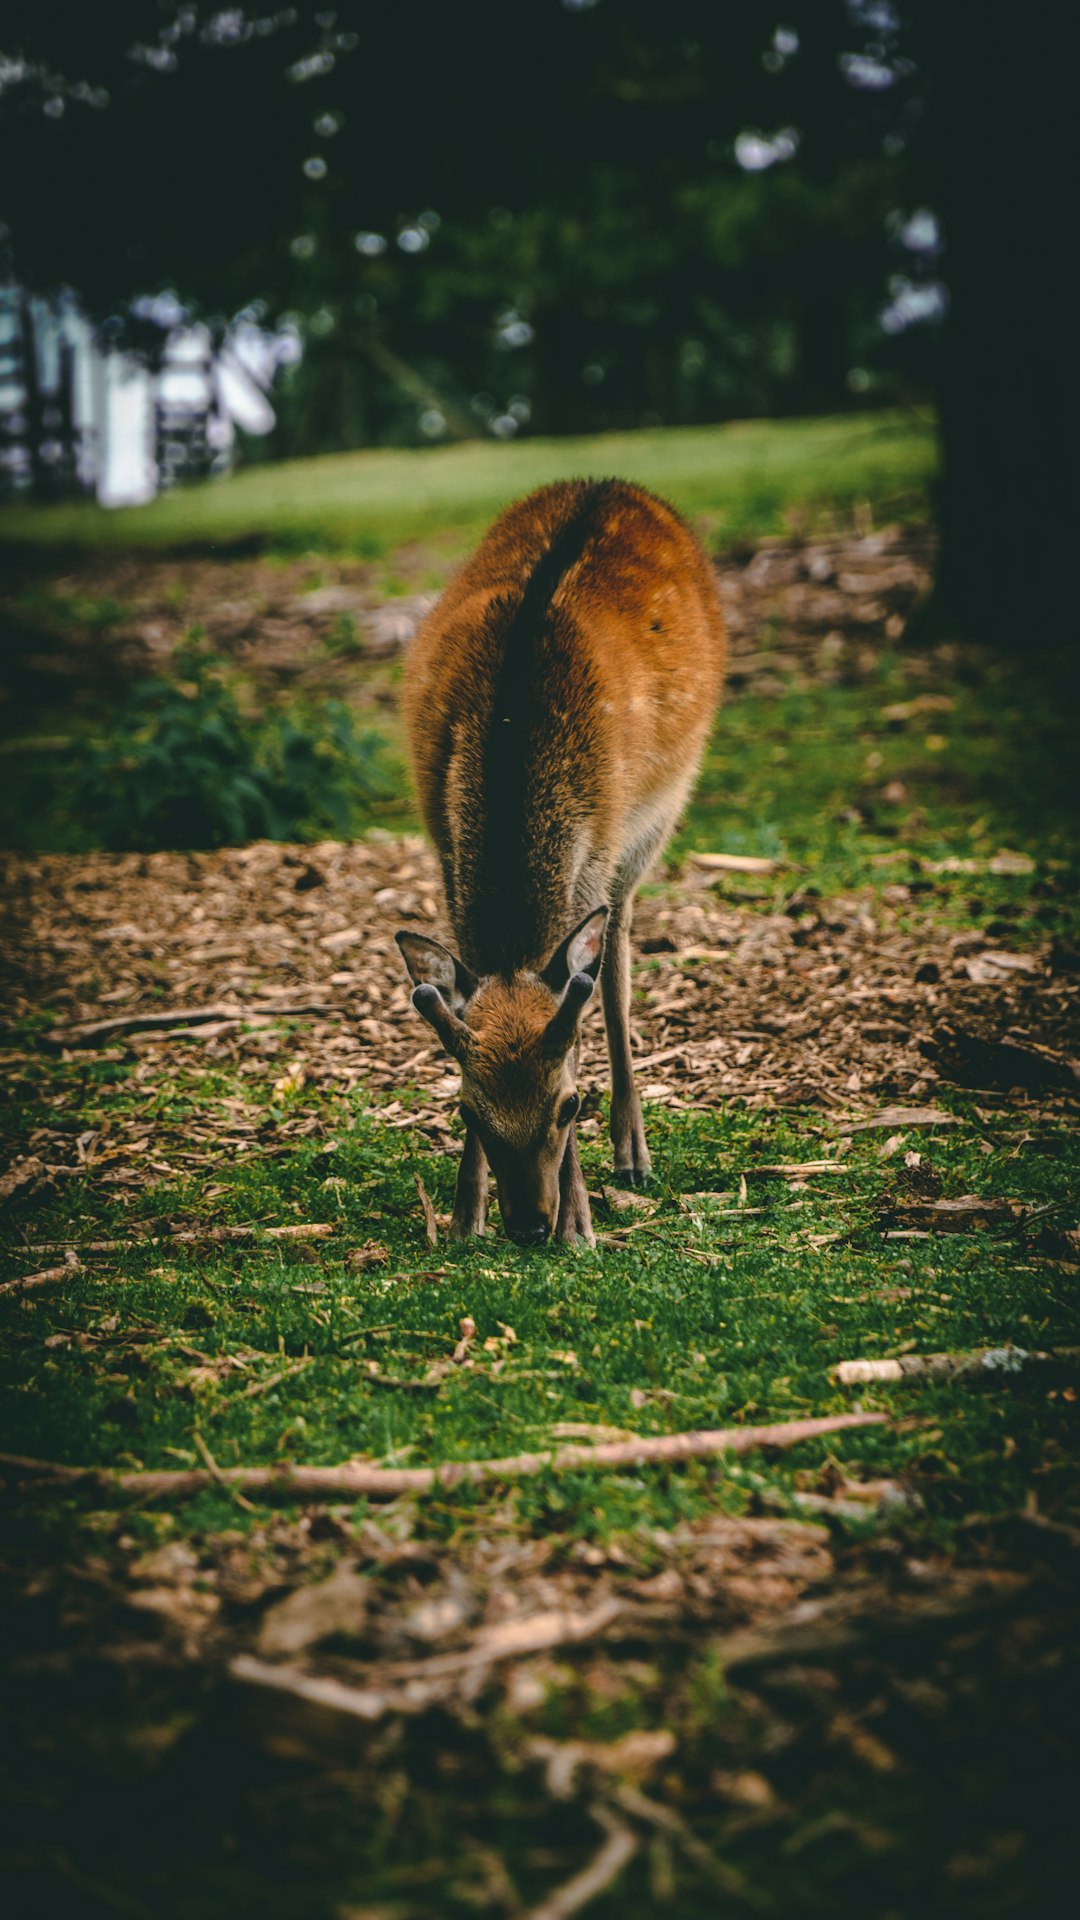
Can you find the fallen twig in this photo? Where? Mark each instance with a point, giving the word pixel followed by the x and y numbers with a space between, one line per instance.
pixel 734 862
pixel 193 1237
pixel 90 1033
pixel 400 1382
pixel 791 1168
pixel 982 1361
pixel 619 1847
pixel 275 1379
pixel 216 1473
pixel 47 1277
pixel 512 1639
pixel 357 1477
pixel 654 1814
pixel 893 1117
pixel 315 1690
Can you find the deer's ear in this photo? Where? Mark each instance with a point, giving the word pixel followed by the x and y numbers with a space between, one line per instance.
pixel 431 964
pixel 580 952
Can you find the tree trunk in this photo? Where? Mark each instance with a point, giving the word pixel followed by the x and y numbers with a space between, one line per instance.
pixel 998 128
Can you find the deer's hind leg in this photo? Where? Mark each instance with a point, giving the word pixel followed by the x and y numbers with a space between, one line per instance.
pixel 470 1198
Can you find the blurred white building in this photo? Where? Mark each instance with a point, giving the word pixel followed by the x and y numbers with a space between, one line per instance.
pixel 77 416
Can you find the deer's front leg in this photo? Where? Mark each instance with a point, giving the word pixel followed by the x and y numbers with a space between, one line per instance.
pixel 575 1219
pixel 632 1163
pixel 470 1198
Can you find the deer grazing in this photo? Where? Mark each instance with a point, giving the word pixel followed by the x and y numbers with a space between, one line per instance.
pixel 558 700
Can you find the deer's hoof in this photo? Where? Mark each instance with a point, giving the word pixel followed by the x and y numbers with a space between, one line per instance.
pixel 467 1228
pixel 634 1176
pixel 579 1235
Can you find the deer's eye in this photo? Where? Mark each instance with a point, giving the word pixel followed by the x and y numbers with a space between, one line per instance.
pixel 568 1109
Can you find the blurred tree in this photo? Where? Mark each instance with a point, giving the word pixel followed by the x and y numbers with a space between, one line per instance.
pixel 994 150
pixel 601 214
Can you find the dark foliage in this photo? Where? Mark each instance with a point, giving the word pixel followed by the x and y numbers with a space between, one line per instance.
pixel 183 767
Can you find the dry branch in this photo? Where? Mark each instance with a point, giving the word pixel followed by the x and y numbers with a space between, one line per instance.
pixel 834 1635
pixel 46 1277
pixel 893 1117
pixel 983 1361
pixel 190 1237
pixel 653 1813
pixel 512 1639
pixel 275 1379
pixel 315 1690
pixel 734 863
pixel 91 1033
pixel 356 1478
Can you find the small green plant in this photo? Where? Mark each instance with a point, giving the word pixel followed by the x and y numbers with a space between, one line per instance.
pixel 184 767
pixel 343 639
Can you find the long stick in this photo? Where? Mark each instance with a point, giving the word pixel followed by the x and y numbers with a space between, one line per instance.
pixel 356 1478
pixel 189 1237
pixel 983 1362
pixel 90 1033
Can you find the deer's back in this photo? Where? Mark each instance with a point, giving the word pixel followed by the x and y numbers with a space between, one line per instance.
pixel 563 685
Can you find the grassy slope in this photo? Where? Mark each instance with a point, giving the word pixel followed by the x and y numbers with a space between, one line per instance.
pixel 751 477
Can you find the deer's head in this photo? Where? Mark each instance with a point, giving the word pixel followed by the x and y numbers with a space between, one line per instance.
pixel 515 1040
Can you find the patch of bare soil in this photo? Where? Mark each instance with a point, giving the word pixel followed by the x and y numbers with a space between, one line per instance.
pixel 837 1005
pixel 305 624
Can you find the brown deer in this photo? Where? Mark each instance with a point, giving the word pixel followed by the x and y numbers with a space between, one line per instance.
pixel 558 699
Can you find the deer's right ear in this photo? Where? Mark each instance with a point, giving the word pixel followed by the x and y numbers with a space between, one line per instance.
pixel 580 952
pixel 431 964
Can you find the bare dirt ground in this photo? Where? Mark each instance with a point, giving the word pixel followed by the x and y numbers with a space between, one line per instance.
pixel 304 623
pixel 829 1005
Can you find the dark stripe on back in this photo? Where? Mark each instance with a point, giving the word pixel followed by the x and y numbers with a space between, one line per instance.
pixel 510 870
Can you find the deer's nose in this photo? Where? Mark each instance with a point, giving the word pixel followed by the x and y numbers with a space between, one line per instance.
pixel 530 1236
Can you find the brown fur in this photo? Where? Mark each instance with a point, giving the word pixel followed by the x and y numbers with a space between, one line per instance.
pixel 558 700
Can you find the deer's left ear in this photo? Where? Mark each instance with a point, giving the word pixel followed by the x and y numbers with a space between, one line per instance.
pixel 580 952
pixel 431 964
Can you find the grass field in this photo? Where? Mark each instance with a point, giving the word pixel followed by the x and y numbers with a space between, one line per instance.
pixel 745 479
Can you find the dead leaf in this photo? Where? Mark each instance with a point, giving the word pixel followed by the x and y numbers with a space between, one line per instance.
pixel 431 1229
pixel 625 1200
pixel 371 1254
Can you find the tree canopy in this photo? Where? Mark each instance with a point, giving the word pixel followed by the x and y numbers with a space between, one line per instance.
pixel 616 212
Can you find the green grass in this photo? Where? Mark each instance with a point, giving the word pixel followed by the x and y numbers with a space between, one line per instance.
pixel 746 479
pixel 822 777
pixel 718 1320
